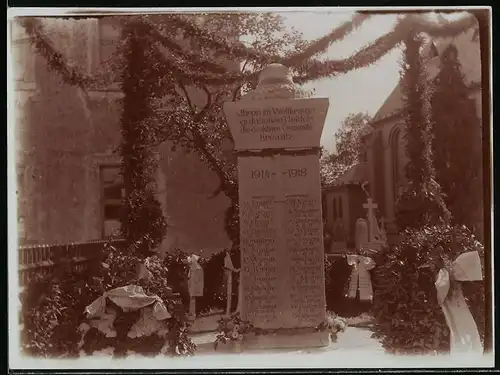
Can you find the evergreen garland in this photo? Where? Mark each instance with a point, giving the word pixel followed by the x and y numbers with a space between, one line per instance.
pixel 421 202
pixel 306 70
pixel 456 128
pixel 143 219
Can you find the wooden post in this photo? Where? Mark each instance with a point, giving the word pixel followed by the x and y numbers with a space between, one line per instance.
pixel 195 283
pixel 229 274
pixel 192 307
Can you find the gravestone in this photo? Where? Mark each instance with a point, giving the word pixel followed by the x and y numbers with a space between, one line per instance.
pixel 276 130
pixel 361 236
pixel 376 236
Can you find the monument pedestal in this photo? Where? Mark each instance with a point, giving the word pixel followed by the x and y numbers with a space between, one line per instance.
pixel 291 339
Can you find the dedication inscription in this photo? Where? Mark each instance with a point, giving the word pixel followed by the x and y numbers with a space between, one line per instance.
pixel 276 123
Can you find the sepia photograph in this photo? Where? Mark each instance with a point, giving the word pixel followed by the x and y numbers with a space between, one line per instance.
pixel 237 188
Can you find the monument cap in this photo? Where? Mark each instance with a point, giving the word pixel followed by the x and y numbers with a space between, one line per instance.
pixel 275 73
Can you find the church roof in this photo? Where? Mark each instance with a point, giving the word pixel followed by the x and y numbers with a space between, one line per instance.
pixel 353 176
pixel 468 54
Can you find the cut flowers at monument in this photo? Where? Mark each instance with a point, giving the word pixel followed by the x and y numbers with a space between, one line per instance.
pixel 335 325
pixel 231 328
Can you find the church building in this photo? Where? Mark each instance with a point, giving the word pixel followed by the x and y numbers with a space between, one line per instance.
pixel 379 175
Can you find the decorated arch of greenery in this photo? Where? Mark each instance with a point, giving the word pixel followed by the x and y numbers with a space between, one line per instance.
pixel 148 75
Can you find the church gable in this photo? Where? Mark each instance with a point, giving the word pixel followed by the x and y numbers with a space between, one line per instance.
pixel 468 53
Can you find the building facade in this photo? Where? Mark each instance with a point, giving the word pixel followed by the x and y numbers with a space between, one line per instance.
pixel 68 183
pixel 343 205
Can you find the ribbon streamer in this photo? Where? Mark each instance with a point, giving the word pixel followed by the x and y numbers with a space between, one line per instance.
pixel 143 273
pixel 464 335
pixel 360 277
pixel 228 265
pixel 195 276
pixel 147 325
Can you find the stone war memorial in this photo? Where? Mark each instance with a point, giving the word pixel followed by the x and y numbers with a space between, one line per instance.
pixel 276 130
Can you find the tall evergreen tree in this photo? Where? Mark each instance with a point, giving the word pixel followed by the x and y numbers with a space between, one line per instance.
pixel 421 202
pixel 457 141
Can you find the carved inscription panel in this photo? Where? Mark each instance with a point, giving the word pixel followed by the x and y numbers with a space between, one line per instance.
pixel 281 241
pixel 276 123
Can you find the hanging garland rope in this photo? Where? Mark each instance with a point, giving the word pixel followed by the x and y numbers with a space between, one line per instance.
pixel 314 70
pixel 239 50
pixel 308 70
pixel 174 47
pixel 71 75
pixel 192 62
pixel 54 58
pixel 68 72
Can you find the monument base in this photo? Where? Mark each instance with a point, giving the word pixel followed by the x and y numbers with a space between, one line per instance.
pixel 291 339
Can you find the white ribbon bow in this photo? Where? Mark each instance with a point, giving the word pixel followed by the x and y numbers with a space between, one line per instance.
pixel 228 264
pixel 143 273
pixel 195 276
pixel 464 336
pixel 360 277
pixel 130 297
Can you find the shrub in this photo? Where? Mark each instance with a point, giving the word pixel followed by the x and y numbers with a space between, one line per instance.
pixel 408 318
pixel 53 309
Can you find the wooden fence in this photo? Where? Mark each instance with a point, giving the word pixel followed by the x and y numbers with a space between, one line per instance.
pixel 39 260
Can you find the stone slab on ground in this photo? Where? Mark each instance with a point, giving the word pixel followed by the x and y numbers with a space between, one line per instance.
pixel 291 340
pixel 207 323
pixel 353 338
pixel 363 320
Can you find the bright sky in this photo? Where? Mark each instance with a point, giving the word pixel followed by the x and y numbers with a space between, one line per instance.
pixel 363 90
